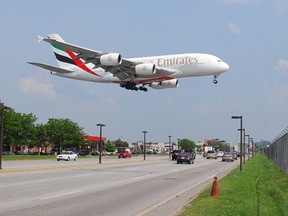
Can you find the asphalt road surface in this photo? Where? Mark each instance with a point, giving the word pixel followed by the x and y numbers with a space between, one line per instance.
pixel 156 186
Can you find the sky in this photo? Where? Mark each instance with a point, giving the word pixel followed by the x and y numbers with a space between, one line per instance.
pixel 250 35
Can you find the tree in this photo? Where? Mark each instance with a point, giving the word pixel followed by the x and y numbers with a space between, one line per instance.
pixel 110 146
pixel 120 144
pixel 64 133
pixel 187 144
pixel 19 128
pixel 220 145
pixel 41 135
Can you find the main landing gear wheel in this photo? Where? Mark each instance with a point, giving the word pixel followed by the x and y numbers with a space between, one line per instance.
pixel 132 86
pixel 142 88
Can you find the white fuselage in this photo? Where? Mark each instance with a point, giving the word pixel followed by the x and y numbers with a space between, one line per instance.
pixel 180 65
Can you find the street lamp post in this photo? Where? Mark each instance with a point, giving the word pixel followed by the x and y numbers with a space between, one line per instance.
pixel 100 144
pixel 144 144
pixel 244 151
pixel 241 136
pixel 247 146
pixel 252 142
pixel 169 146
pixel 1 131
pixel 250 139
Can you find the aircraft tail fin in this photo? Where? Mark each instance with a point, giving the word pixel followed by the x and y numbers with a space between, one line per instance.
pixel 62 56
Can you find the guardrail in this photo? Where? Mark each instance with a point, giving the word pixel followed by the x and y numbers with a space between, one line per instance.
pixel 277 152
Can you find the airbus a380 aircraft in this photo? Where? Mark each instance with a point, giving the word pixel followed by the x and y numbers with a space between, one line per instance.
pixel 158 72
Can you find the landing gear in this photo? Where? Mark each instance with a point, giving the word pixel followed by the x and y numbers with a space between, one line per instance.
pixel 143 88
pixel 132 86
pixel 215 79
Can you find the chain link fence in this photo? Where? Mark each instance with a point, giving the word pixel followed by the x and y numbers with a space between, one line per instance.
pixel 277 152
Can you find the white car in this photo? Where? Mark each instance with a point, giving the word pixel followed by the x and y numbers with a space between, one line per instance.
pixel 68 155
pixel 220 154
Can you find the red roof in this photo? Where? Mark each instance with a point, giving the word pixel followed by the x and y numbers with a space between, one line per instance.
pixel 93 138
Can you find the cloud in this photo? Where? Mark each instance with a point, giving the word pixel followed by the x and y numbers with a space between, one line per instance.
pixel 36 86
pixel 233 28
pixel 282 65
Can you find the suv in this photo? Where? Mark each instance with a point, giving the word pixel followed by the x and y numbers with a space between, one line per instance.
pixel 175 153
pixel 124 154
pixel 211 154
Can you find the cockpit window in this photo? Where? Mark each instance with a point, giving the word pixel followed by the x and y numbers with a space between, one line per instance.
pixel 219 60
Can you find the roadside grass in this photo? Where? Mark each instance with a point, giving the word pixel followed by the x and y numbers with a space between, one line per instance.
pixel 260 189
pixel 27 157
pixel 35 157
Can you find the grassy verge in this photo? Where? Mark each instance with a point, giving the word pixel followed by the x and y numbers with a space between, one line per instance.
pixel 27 157
pixel 260 189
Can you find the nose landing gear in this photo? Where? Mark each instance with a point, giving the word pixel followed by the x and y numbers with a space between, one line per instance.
pixel 215 79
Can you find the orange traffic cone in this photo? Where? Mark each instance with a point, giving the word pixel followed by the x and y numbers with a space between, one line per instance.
pixel 214 191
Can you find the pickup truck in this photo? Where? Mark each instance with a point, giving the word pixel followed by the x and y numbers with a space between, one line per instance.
pixel 124 154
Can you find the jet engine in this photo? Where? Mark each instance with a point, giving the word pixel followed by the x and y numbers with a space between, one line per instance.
pixel 146 69
pixel 111 59
pixel 173 83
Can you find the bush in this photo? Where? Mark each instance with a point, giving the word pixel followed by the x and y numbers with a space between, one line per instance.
pixel 94 153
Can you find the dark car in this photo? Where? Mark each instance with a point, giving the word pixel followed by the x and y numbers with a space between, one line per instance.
pixel 83 153
pixel 185 157
pixel 175 153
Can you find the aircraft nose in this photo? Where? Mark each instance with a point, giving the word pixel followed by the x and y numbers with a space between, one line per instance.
pixel 225 66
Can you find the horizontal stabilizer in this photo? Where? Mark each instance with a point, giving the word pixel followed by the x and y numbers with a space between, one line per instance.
pixel 50 67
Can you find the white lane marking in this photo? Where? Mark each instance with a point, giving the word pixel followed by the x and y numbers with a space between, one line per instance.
pixel 61 194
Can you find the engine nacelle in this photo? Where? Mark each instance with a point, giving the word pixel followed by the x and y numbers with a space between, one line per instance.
pixel 173 83
pixel 111 59
pixel 145 69
pixel 156 85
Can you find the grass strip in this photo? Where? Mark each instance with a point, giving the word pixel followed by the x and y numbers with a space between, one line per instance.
pixel 27 157
pixel 260 189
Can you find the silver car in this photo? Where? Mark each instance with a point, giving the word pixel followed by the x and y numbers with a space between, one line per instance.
pixel 228 156
pixel 211 154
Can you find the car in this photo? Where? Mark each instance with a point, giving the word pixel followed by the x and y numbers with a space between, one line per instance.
pixel 67 155
pixel 193 153
pixel 175 153
pixel 185 157
pixel 124 154
pixel 83 153
pixel 235 155
pixel 211 154
pixel 7 153
pixel 220 154
pixel 228 156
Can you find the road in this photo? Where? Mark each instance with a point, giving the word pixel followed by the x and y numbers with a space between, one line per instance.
pixel 157 186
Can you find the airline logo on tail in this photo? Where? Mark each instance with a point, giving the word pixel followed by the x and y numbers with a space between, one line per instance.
pixel 66 57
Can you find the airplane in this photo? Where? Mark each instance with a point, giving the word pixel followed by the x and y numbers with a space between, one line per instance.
pixel 158 72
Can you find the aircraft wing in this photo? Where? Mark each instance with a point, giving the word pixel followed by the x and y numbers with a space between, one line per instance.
pixel 50 67
pixel 125 71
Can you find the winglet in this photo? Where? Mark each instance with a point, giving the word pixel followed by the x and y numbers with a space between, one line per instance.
pixel 39 38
